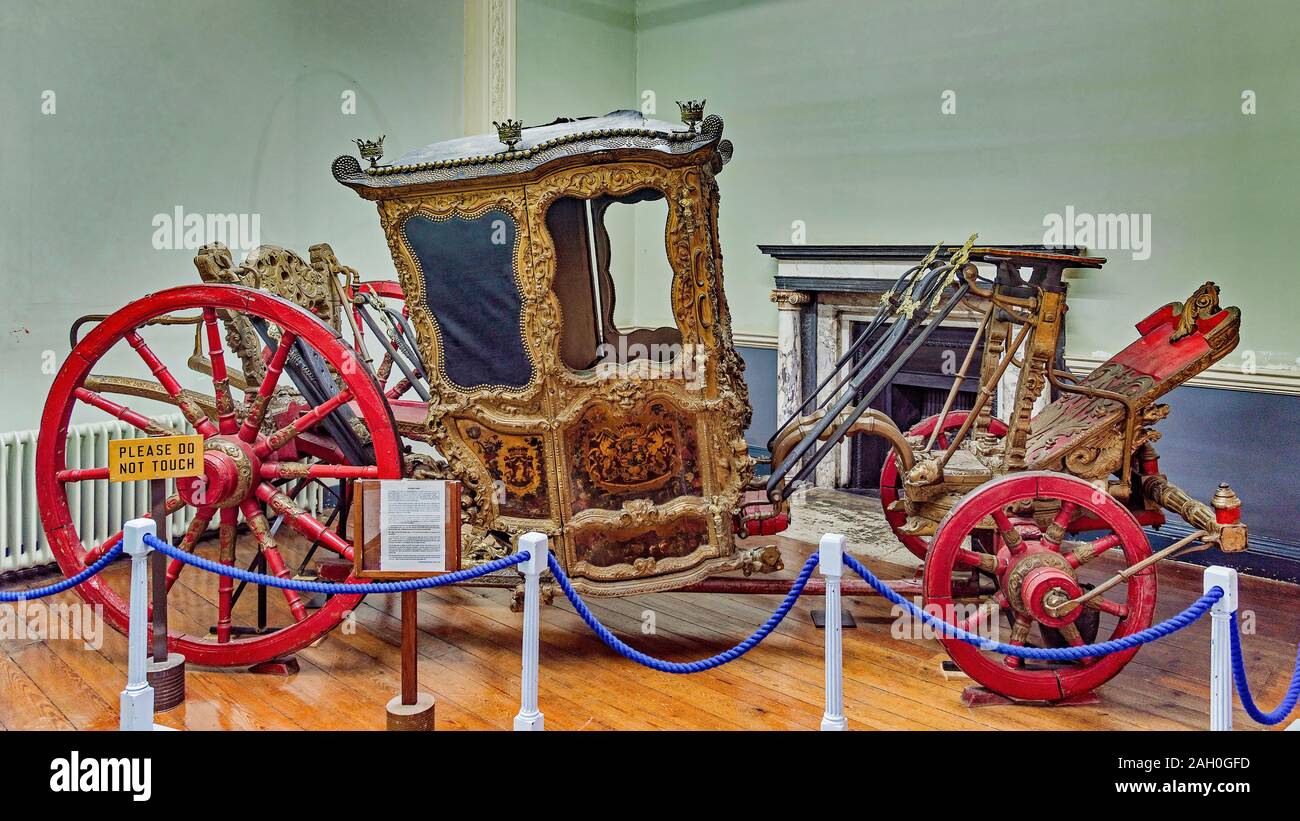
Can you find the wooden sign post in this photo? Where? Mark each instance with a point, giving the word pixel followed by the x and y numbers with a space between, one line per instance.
pixel 157 459
pixel 407 529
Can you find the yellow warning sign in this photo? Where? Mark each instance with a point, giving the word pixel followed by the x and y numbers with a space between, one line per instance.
pixel 158 457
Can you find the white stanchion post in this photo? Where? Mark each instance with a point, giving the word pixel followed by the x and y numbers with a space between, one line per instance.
pixel 830 558
pixel 530 718
pixel 1221 644
pixel 137 698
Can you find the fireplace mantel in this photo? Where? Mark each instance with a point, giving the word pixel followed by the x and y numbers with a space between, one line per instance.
pixel 820 291
pixel 862 268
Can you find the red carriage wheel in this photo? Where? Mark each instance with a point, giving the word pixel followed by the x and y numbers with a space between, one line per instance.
pixel 252 461
pixel 1037 569
pixel 891 481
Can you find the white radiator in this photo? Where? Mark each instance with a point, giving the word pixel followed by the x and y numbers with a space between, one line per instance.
pixel 99 508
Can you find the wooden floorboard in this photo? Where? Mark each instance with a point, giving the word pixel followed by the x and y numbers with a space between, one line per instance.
pixel 469 659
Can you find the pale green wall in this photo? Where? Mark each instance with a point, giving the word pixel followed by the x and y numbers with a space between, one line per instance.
pixel 574 58
pixel 577 58
pixel 1109 106
pixel 218 106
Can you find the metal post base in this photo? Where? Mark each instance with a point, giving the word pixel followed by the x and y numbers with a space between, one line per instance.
pixel 535 722
pixel 136 708
pixel 834 723
pixel 408 717
pixel 167 678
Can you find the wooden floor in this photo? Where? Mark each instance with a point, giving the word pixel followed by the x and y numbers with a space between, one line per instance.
pixel 469 658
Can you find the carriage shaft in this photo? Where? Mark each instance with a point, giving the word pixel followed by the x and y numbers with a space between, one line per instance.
pixel 1230 531
pixel 777 587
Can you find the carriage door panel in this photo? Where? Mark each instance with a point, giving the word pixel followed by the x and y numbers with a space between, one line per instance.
pixel 465 279
pixel 637 486
pixel 467 272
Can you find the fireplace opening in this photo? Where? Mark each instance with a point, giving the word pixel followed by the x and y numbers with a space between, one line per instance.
pixel 918 390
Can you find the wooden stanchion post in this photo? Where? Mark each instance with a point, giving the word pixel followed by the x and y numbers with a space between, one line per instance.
pixel 413 511
pixel 166 670
pixel 410 709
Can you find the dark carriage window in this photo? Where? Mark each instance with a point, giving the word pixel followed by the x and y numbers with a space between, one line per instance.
pixel 586 259
pixel 468 266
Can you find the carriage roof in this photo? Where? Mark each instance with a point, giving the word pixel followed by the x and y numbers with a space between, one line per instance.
pixel 485 156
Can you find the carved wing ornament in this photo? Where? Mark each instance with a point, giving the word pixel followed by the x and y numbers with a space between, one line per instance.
pixel 1203 304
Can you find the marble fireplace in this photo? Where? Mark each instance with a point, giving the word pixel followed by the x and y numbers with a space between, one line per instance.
pixel 824 294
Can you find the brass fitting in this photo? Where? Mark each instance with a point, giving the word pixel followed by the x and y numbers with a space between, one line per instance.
pixel 1227 512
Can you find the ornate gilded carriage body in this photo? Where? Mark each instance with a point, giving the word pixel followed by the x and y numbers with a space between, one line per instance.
pixel 627 447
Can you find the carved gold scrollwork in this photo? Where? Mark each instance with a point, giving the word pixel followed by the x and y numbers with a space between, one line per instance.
pixel 1204 303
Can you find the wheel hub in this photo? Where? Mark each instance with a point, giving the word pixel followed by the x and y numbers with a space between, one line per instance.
pixel 1038 579
pixel 229 468
pixel 1046 588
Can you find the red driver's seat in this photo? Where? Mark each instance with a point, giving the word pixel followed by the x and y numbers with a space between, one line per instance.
pixel 1177 342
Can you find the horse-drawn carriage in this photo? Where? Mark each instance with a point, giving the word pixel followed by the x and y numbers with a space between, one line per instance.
pixel 495 359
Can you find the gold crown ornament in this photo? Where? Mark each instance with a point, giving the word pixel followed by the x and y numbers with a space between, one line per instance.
pixel 510 132
pixel 371 150
pixel 692 113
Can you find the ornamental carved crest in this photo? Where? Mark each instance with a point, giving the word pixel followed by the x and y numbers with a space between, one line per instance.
pixel 519 469
pixel 648 455
pixel 517 463
pixel 631 456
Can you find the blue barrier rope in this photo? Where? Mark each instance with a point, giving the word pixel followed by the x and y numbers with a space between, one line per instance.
pixel 330 588
pixel 1197 609
pixel 1243 686
pixel 681 667
pixel 72 581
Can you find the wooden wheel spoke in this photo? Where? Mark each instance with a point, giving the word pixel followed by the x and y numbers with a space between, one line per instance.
pixel 986 610
pixel 261 529
pixel 973 558
pixel 1070 632
pixel 302 521
pixel 188 407
pixel 226 419
pixel 171 505
pixel 1056 530
pixel 1007 530
pixel 1019 635
pixel 257 408
pixel 198 526
pixel 1088 551
pixel 81 475
pixel 226 585
pixel 1119 611
pixel 305 470
pixel 119 411
pixel 303 423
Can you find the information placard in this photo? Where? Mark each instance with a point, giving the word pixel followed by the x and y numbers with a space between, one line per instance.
pixel 155 457
pixel 406 528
